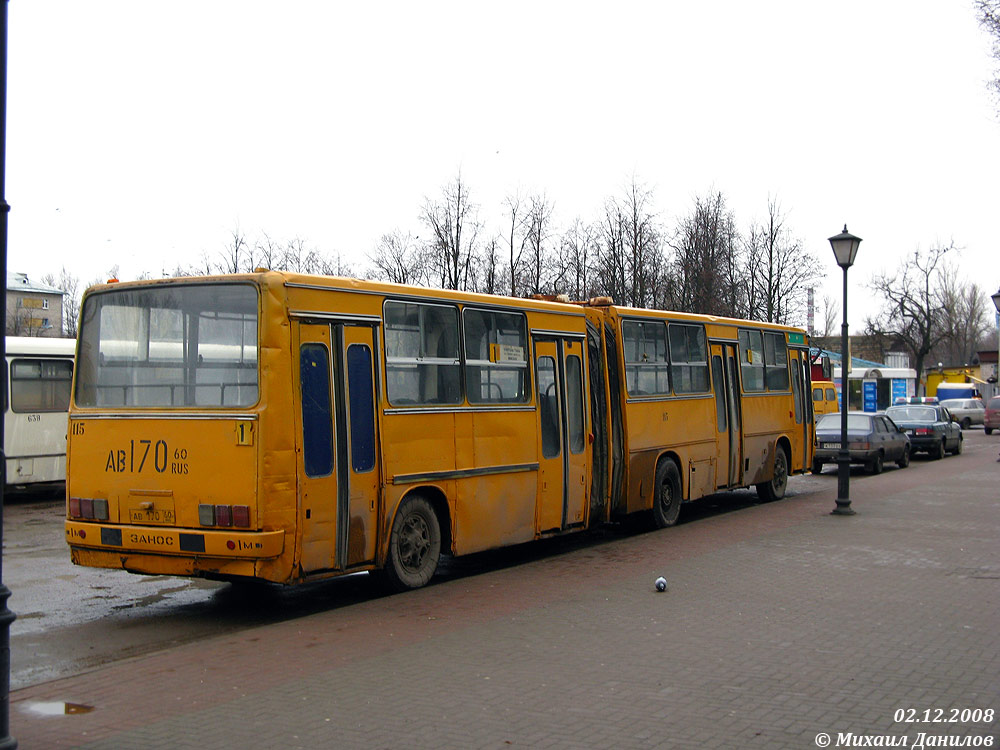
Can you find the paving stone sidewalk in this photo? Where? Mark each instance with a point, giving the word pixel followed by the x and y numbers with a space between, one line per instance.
pixel 781 624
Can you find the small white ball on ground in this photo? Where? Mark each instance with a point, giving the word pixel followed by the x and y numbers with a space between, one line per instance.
pixel 661 584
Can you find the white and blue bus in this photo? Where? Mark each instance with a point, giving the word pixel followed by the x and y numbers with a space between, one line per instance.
pixel 38 376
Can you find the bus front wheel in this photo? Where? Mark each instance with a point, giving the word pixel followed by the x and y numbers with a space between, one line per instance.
pixel 775 488
pixel 414 546
pixel 667 503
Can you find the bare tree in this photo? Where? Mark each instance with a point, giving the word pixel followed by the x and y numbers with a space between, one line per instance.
pixel 988 13
pixel 612 267
pixel 780 269
pixel 454 224
pixel 269 254
pixel 537 221
pixel 236 256
pixel 488 269
pixel 642 244
pixel 706 247
pixel 579 247
pixel 398 258
pixel 516 240
pixel 630 257
pixel 70 286
pixel 965 317
pixel 911 312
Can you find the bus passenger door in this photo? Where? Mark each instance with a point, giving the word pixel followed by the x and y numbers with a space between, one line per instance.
pixel 559 380
pixel 358 476
pixel 729 425
pixel 802 396
pixel 338 468
pixel 317 513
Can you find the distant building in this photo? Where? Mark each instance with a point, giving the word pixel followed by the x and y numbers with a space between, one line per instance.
pixel 33 308
pixel 988 372
pixel 877 376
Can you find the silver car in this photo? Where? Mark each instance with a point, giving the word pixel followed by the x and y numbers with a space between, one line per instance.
pixel 966 411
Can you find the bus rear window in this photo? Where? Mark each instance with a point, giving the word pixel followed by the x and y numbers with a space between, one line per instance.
pixel 177 345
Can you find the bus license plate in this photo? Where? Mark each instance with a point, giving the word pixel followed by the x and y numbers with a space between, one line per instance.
pixel 153 515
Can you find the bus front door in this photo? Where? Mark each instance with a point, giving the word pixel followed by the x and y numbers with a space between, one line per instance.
pixel 802 397
pixel 729 444
pixel 562 465
pixel 338 464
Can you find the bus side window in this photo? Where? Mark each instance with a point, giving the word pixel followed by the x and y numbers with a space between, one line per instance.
pixel 421 353
pixel 548 406
pixel 317 412
pixel 359 387
pixel 574 403
pixel 40 385
pixel 776 355
pixel 752 360
pixel 720 393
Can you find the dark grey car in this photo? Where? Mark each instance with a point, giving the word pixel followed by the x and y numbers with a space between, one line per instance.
pixel 872 439
pixel 930 428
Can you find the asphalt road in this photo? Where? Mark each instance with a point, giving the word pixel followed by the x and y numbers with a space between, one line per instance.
pixel 72 619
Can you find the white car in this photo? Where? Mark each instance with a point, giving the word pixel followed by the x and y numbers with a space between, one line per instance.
pixel 967 411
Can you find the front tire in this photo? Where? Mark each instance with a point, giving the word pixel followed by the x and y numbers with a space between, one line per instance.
pixel 414 546
pixel 667 503
pixel 775 488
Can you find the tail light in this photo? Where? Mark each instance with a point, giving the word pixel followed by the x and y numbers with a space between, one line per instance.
pixel 241 516
pixel 859 446
pixel 924 431
pixel 224 515
pixel 89 508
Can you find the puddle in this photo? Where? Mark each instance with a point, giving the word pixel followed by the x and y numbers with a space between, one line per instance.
pixel 56 708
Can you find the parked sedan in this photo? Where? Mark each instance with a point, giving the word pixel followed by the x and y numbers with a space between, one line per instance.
pixel 968 411
pixel 872 439
pixel 992 421
pixel 930 428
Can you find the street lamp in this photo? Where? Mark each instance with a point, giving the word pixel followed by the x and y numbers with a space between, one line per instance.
pixel 996 304
pixel 845 249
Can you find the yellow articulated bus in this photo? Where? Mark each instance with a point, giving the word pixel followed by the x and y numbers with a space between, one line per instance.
pixel 286 427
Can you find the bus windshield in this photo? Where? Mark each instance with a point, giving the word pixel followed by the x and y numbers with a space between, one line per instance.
pixel 178 345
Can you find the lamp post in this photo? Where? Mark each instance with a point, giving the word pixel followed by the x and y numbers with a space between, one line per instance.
pixel 845 249
pixel 6 616
pixel 996 304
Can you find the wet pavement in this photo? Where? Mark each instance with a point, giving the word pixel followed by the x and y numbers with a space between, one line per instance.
pixel 780 623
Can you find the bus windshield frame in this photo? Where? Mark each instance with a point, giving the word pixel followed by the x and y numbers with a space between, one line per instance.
pixel 181 345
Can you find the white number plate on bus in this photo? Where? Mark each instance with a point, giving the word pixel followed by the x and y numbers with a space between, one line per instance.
pixel 155 515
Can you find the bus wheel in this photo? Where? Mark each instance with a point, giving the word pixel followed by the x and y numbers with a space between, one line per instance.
pixel 414 546
pixel 775 489
pixel 667 503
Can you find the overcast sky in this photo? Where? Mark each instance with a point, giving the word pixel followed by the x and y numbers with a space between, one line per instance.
pixel 141 134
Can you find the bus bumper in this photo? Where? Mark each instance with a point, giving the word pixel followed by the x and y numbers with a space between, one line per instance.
pixel 227 545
